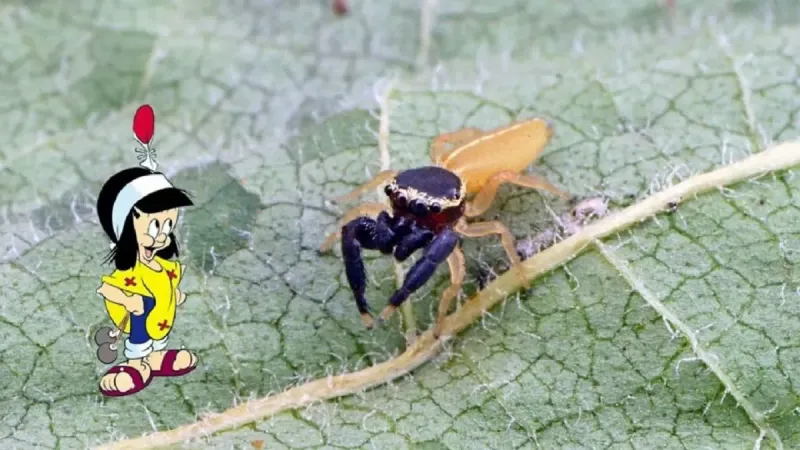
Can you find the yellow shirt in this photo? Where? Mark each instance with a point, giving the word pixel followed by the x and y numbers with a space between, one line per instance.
pixel 144 281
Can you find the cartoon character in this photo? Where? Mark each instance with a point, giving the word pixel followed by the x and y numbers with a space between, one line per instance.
pixel 138 209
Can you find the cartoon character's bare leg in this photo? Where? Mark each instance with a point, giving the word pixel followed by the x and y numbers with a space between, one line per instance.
pixel 483 200
pixel 376 181
pixel 481 229
pixel 445 143
pixel 364 209
pixel 457 272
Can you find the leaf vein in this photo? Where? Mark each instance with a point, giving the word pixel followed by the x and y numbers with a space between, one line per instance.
pixel 702 354
pixel 745 92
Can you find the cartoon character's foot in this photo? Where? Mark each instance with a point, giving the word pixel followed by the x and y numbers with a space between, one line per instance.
pixel 174 363
pixel 125 379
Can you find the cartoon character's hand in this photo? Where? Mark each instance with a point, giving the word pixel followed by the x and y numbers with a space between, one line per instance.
pixel 181 296
pixel 135 305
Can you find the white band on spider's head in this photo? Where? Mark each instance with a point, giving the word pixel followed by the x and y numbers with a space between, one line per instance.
pixel 132 193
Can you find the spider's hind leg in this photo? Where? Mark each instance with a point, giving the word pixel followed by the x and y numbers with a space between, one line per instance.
pixel 373 183
pixel 485 197
pixel 444 144
pixel 457 272
pixel 372 234
pixel 480 229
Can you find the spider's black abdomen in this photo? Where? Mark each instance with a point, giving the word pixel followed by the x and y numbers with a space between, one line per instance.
pixel 431 180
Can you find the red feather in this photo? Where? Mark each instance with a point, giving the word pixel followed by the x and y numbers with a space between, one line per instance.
pixel 144 124
pixel 339 7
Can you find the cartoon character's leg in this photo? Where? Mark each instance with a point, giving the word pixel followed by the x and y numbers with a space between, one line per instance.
pixel 376 181
pixel 493 227
pixel 457 272
pixel 365 209
pixel 372 234
pixel 483 200
pixel 435 253
pixel 172 362
pixel 135 374
pixel 455 139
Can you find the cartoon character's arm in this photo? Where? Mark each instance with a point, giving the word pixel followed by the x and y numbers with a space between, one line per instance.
pixel 180 295
pixel 133 303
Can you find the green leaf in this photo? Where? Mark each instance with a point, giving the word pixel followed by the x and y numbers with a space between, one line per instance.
pixel 681 332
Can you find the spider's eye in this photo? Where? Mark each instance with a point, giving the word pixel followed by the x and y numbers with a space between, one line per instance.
pixel 388 190
pixel 418 208
pixel 436 207
pixel 401 200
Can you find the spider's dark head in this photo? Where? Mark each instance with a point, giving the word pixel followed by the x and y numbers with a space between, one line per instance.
pixel 431 195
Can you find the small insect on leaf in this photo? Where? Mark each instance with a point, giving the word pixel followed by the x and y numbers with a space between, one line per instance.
pixel 144 124
pixel 257 444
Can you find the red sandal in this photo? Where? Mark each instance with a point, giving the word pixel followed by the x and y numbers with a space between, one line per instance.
pixel 167 365
pixel 136 376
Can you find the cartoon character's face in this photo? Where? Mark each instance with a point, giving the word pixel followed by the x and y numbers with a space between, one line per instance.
pixel 153 230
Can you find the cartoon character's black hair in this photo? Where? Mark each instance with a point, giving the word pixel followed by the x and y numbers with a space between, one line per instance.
pixel 124 252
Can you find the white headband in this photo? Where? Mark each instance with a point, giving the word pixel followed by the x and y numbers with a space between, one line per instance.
pixel 132 193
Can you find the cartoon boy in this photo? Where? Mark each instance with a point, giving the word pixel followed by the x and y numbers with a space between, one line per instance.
pixel 138 209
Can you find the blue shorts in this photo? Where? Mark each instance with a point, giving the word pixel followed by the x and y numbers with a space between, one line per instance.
pixel 138 334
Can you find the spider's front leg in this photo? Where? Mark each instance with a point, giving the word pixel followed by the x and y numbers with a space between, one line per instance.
pixel 372 234
pixel 416 238
pixel 437 251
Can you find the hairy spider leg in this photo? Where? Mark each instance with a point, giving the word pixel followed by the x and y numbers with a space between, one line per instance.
pixel 364 209
pixel 372 234
pixel 376 181
pixel 439 149
pixel 435 253
pixel 481 229
pixel 483 200
pixel 457 272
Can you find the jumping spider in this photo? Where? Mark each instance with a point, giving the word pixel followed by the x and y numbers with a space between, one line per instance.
pixel 429 207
